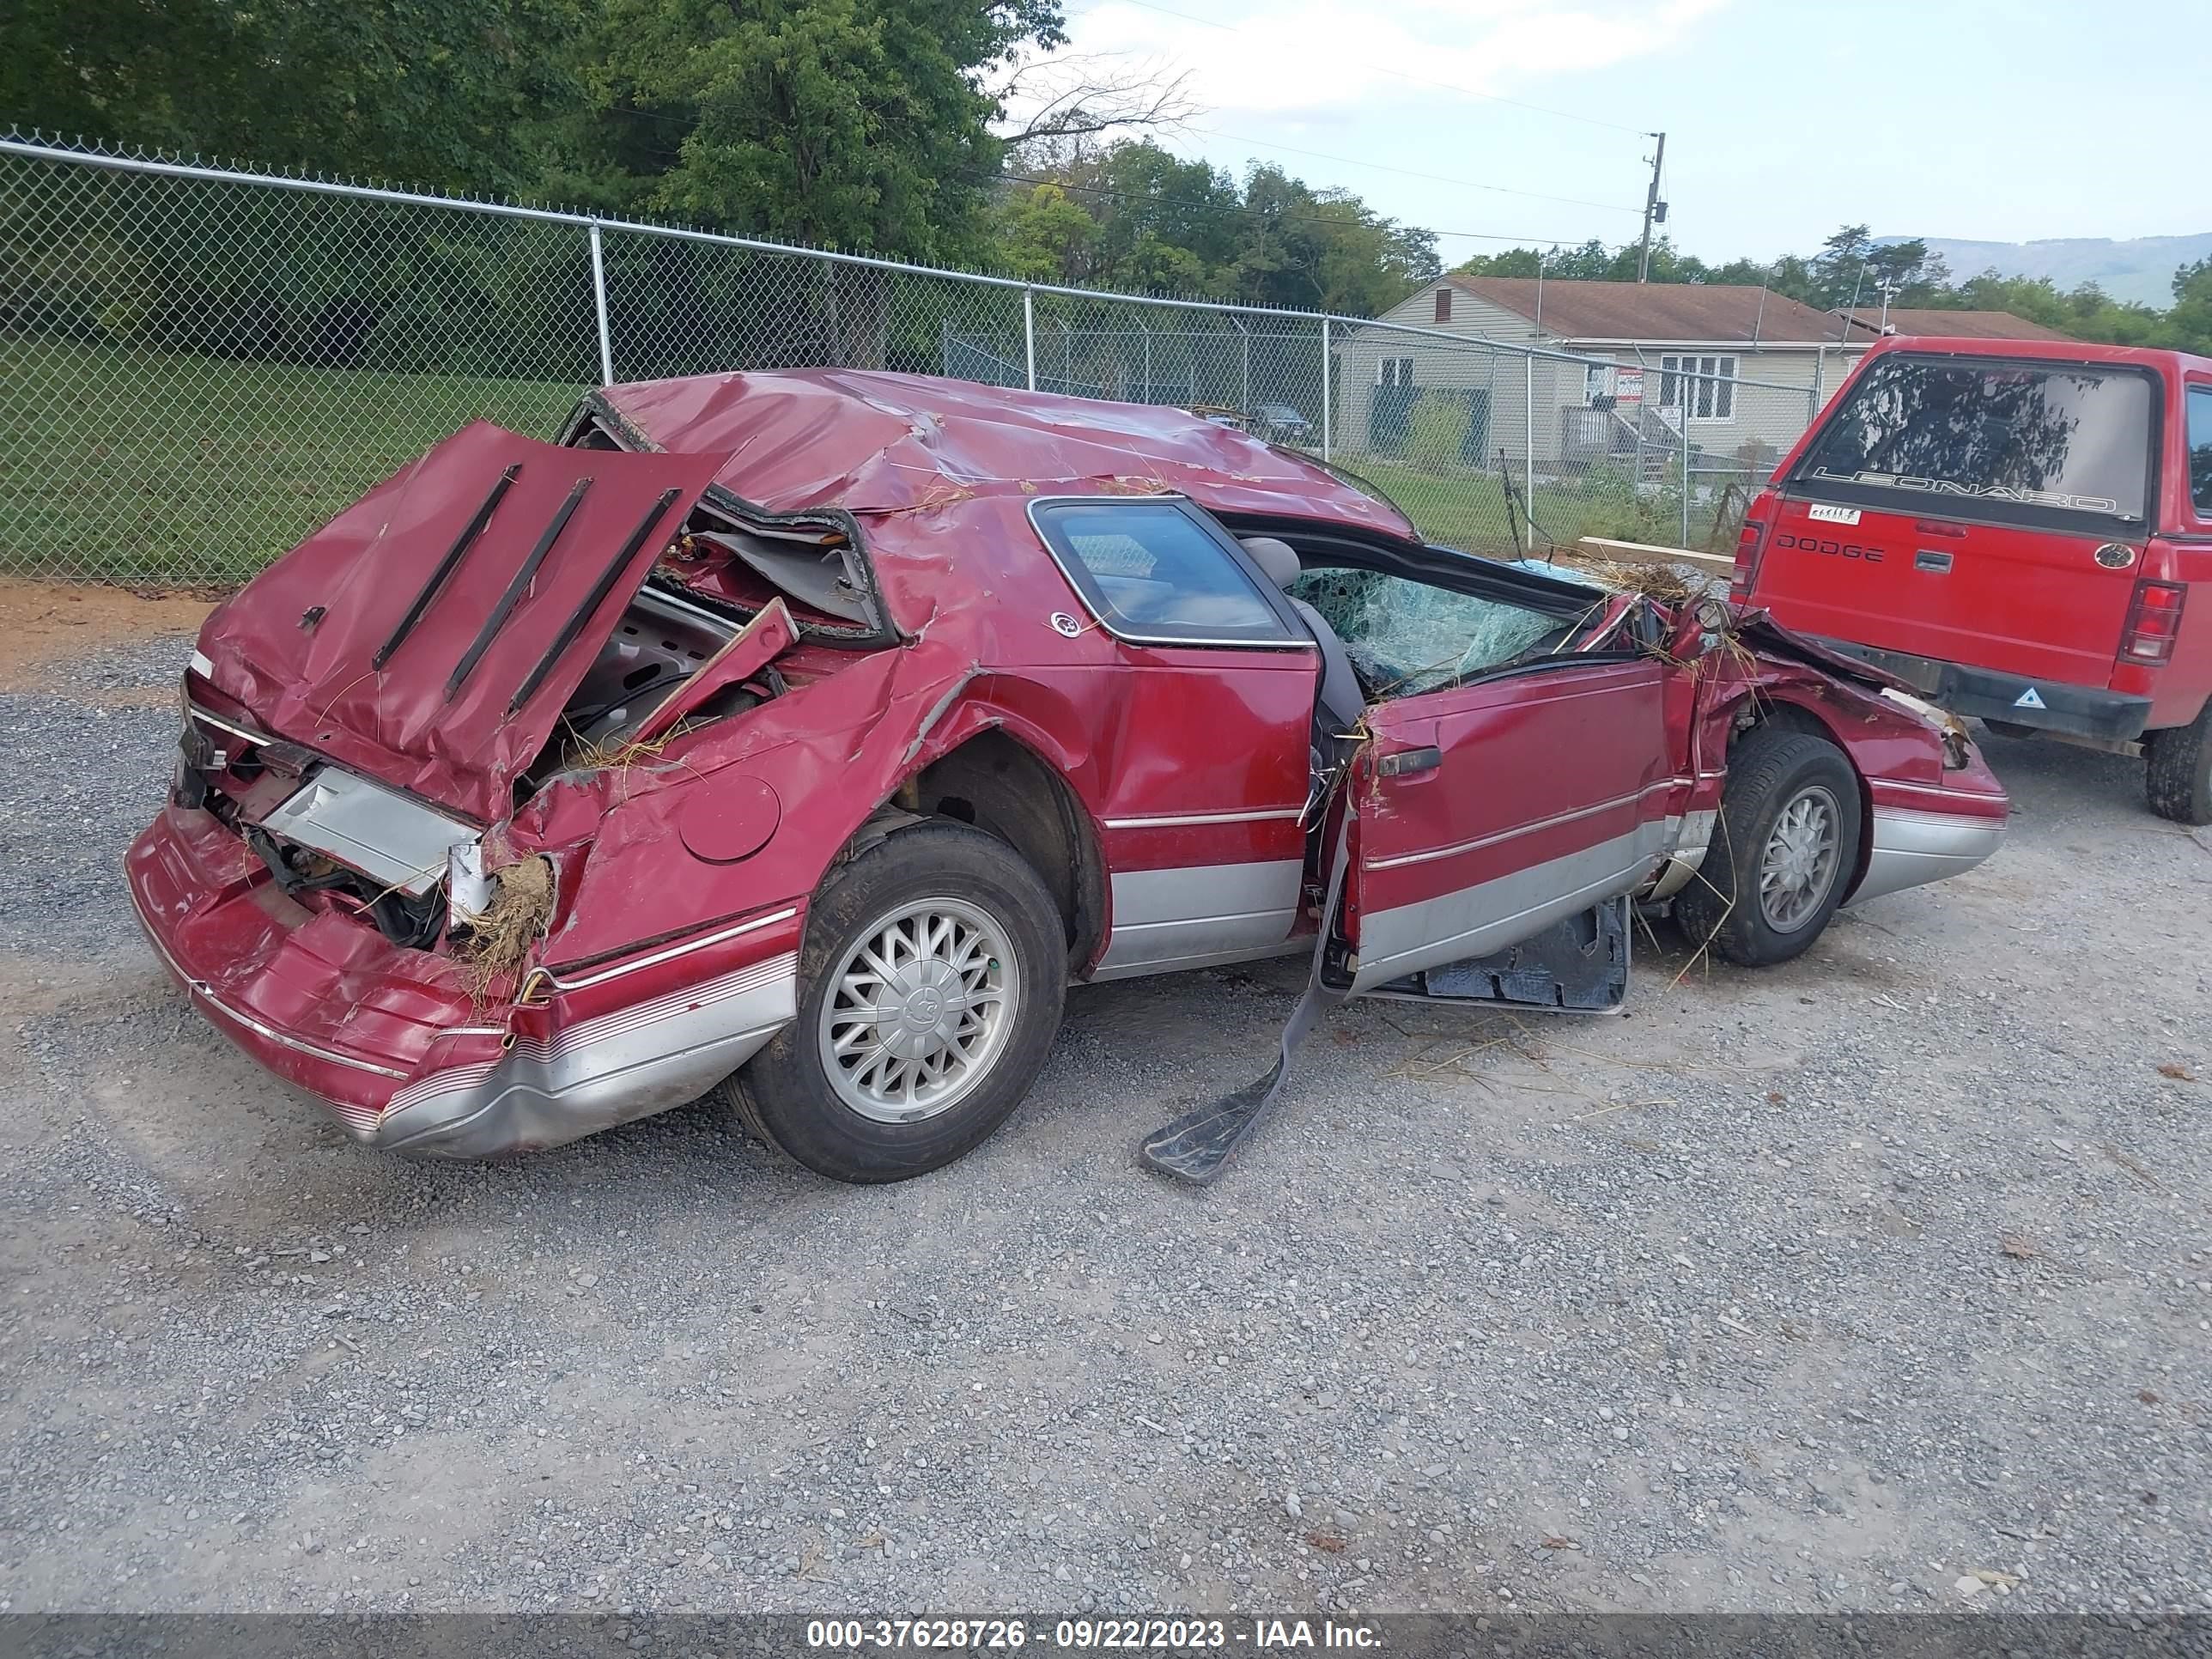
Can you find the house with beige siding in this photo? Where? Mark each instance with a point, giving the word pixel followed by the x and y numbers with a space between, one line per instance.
pixel 1626 374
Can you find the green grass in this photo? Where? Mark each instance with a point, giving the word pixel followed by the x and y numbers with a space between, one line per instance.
pixel 1468 509
pixel 151 468
pixel 154 468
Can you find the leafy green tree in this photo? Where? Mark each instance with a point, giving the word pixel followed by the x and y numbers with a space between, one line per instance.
pixel 861 125
pixel 1169 226
pixel 1044 236
pixel 2189 325
pixel 444 94
pixel 1323 250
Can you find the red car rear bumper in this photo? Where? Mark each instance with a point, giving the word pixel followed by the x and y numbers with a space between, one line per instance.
pixel 390 1040
pixel 1923 832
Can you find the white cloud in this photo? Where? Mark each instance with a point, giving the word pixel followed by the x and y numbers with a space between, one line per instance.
pixel 1319 56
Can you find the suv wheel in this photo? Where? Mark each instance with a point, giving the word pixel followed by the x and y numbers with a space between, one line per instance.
pixel 930 987
pixel 1782 852
pixel 2177 770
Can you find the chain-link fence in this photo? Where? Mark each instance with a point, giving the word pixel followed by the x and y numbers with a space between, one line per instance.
pixel 198 366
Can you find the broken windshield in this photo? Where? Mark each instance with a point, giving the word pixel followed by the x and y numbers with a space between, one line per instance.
pixel 1405 637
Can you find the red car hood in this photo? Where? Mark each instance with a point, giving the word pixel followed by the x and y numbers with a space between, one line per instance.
pixel 430 635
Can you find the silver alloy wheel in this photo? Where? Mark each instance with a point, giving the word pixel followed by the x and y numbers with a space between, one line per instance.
pixel 920 1010
pixel 1802 855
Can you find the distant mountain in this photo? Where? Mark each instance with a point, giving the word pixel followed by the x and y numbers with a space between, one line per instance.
pixel 2139 269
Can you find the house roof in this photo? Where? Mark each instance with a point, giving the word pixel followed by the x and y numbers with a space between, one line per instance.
pixel 1701 311
pixel 1956 325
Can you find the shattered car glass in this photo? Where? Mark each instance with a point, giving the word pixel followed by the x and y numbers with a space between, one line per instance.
pixel 1405 637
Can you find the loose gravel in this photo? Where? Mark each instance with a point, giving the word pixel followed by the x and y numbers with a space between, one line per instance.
pixel 1881 1280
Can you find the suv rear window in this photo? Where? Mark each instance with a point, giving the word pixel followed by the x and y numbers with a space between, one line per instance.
pixel 2015 439
pixel 2200 449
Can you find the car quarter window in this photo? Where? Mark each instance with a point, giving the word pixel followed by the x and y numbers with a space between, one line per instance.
pixel 2200 449
pixel 1405 637
pixel 1157 572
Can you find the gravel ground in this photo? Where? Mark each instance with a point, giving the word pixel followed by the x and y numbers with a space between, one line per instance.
pixel 1879 1280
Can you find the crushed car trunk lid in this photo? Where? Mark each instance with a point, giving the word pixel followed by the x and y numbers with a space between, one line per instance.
pixel 430 635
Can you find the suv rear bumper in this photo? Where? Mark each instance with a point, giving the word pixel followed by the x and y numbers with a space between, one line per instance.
pixel 2078 711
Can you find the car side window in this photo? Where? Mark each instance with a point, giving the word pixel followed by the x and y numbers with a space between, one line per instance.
pixel 1155 572
pixel 2200 449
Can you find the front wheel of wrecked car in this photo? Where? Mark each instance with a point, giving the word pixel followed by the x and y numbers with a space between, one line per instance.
pixel 930 989
pixel 1782 852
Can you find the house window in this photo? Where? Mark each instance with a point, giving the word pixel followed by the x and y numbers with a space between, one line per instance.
pixel 1443 305
pixel 1704 386
pixel 1393 371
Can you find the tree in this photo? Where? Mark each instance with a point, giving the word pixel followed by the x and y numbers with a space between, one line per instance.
pixel 1169 226
pixel 853 124
pixel 443 93
pixel 1839 270
pixel 1072 99
pixel 2189 325
pixel 1044 237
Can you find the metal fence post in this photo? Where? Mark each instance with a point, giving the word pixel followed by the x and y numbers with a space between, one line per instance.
pixel 1147 332
pixel 1528 436
pixel 600 300
pixel 1029 332
pixel 1244 338
pixel 1325 378
pixel 1688 402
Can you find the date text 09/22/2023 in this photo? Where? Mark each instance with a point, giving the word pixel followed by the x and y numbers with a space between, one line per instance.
pixel 1105 1634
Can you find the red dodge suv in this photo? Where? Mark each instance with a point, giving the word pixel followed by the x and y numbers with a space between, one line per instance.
pixel 2016 528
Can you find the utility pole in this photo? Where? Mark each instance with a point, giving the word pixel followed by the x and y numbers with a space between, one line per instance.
pixel 1655 211
pixel 1889 289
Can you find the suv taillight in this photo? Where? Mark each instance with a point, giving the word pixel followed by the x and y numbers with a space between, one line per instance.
pixel 1750 543
pixel 2154 620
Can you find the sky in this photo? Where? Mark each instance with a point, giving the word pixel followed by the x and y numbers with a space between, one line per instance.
pixel 1784 119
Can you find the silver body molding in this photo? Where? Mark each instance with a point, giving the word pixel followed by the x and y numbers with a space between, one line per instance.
pixel 1909 847
pixel 1489 916
pixel 612 1068
pixel 1200 916
pixel 1692 834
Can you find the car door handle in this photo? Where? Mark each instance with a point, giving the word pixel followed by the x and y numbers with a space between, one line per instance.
pixel 1406 762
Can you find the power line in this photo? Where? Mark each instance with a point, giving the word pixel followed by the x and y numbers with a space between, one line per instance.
pixel 1419 81
pixel 1433 178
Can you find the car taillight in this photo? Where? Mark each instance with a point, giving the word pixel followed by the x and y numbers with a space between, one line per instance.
pixel 2154 620
pixel 1750 543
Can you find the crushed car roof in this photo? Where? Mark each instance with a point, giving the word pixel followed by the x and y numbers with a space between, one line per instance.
pixel 873 443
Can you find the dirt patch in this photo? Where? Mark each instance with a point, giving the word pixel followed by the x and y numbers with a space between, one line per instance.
pixel 45 625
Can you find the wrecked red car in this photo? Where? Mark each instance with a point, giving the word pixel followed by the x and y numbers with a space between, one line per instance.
pixel 804 735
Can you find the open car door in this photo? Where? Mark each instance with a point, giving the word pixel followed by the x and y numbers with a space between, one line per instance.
pixel 1491 815
pixel 1483 818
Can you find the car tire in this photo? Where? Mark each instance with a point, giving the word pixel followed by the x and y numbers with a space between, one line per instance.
pixel 977 964
pixel 2177 770
pixel 1788 810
